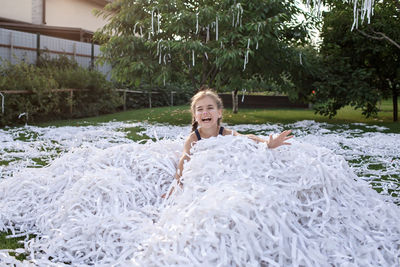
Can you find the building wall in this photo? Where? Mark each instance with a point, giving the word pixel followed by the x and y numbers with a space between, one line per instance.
pixel 73 13
pixel 20 10
pixel 37 11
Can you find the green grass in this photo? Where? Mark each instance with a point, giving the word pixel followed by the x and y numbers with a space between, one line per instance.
pixel 12 243
pixel 132 133
pixel 6 162
pixel 177 115
pixel 180 115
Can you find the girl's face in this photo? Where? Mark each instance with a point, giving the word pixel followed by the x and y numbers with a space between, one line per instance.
pixel 206 112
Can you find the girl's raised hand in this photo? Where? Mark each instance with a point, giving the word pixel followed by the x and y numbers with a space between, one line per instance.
pixel 280 139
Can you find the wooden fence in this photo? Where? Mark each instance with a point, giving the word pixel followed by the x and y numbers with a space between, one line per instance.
pixel 14 92
pixel 261 101
pixel 248 101
pixel 18 46
pixel 71 91
pixel 125 91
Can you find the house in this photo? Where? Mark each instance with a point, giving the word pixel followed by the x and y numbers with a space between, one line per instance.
pixel 68 19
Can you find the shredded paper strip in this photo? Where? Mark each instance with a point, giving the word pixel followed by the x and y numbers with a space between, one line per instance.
pixel 99 203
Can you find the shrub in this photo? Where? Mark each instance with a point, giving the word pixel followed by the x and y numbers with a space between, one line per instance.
pixel 40 99
pixel 42 103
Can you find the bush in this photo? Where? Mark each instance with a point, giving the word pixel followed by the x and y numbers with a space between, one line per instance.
pixel 40 100
pixel 100 97
pixel 42 103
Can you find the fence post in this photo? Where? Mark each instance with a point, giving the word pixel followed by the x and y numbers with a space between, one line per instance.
pixel 92 57
pixel 172 98
pixel 70 105
pixel 2 103
pixel 74 50
pixel 124 100
pixel 11 47
pixel 37 48
pixel 149 99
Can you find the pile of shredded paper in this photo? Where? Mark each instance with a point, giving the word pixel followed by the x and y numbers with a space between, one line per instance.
pixel 99 202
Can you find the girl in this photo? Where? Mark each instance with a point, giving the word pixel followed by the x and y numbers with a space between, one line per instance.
pixel 206 110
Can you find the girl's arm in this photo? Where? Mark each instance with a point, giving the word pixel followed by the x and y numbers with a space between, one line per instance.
pixel 272 142
pixel 185 156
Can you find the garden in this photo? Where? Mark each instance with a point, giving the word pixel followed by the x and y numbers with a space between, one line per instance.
pixel 81 178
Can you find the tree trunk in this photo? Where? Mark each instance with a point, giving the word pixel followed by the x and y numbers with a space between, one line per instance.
pixel 395 107
pixel 204 73
pixel 192 78
pixel 213 75
pixel 235 102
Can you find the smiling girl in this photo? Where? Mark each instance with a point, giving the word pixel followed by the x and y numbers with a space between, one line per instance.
pixel 206 108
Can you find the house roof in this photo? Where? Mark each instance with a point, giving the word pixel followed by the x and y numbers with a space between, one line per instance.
pixel 70 33
pixel 101 2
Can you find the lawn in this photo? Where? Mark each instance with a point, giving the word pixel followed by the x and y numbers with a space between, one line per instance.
pixel 180 115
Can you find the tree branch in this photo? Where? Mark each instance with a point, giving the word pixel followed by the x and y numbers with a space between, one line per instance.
pixel 387 38
pixel 369 36
pixel 191 74
pixel 205 77
pixel 382 37
pixel 214 74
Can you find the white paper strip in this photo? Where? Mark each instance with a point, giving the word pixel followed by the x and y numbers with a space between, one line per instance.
pixel 216 28
pixel 300 204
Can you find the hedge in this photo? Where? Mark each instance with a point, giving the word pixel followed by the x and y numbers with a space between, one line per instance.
pixel 96 96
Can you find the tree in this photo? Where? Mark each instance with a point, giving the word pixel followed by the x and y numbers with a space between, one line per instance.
pixel 361 67
pixel 214 43
pixel 361 8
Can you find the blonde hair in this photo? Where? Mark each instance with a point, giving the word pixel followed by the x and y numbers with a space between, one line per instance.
pixel 199 95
